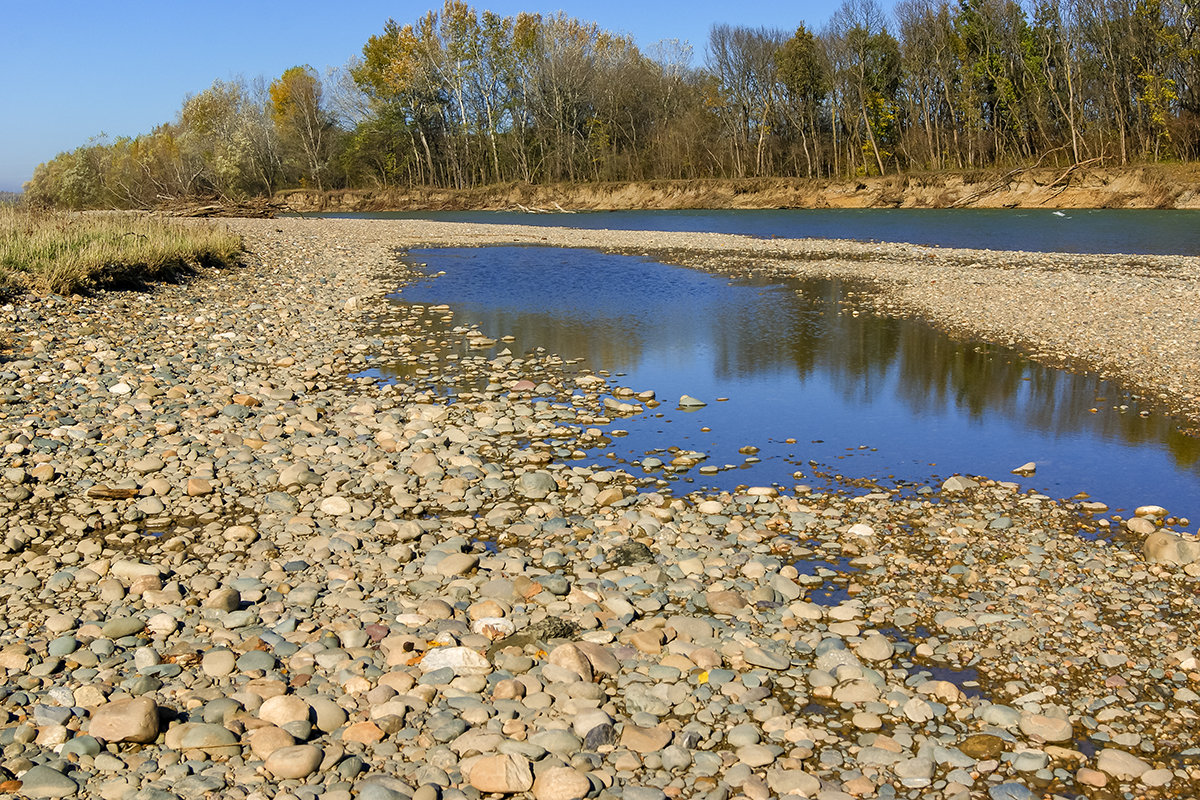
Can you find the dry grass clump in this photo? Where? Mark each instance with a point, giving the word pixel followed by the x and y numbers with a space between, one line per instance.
pixel 49 251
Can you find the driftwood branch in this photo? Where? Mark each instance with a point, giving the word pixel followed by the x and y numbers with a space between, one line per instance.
pixel 1065 178
pixel 1003 180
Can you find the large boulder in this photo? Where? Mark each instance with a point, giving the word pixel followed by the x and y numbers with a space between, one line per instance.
pixel 1168 548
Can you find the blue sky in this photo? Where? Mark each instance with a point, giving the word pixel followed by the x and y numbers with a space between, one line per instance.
pixel 73 70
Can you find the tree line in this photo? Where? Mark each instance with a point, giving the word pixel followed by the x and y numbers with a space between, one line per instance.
pixel 462 98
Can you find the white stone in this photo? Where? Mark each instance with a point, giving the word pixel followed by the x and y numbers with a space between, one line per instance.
pixel 463 660
pixel 282 709
pixel 335 506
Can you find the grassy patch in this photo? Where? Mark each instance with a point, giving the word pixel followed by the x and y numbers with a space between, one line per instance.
pixel 47 251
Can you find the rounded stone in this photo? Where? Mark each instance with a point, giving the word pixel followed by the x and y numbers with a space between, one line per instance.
pixel 335 506
pixel 874 647
pixel 266 740
pixel 218 663
pixel 223 599
pixel 756 755
pixel 256 661
pixel 536 485
pixel 284 708
pixel 561 783
pixel 296 762
pixel 120 627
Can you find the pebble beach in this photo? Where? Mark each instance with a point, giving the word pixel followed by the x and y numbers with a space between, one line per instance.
pixel 233 569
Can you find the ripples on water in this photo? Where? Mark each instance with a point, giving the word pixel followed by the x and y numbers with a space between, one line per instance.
pixel 892 400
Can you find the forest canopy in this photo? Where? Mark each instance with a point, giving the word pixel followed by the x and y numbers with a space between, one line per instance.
pixel 461 98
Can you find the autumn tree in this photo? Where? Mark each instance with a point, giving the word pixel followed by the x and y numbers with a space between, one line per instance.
pixel 866 61
pixel 303 125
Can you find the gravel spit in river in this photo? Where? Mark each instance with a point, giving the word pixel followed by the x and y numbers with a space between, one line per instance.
pixel 230 570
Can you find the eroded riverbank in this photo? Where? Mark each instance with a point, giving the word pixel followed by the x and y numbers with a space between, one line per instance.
pixel 231 569
pixel 1147 186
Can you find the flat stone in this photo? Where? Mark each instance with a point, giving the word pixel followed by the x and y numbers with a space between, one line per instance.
pixel 363 732
pixel 329 715
pixel 645 740
pixel 1046 729
pixel 1012 791
pixel 225 598
pixel 858 692
pixel 570 657
pixel 216 740
pixel 760 657
pixel 958 483
pixel 218 663
pixel 1157 777
pixel 461 660
pixel 42 781
pixel 335 506
pixel 600 657
pixel 915 773
pixel 536 485
pixel 793 782
pixel 1120 764
pixel 725 601
pixel 506 773
pixel 755 755
pixel 981 746
pixel 1141 525
pixel 874 647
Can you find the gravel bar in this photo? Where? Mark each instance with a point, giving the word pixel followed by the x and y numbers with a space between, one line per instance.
pixel 233 569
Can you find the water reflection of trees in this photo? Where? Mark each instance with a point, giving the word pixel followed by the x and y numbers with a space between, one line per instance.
pixel 757 329
pixel 865 355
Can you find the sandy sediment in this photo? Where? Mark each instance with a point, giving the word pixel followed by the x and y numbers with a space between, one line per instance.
pixel 231 569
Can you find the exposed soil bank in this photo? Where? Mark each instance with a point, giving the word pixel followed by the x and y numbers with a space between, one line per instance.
pixel 1157 186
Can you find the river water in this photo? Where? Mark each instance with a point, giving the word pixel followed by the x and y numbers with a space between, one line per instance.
pixel 821 392
pixel 1137 231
